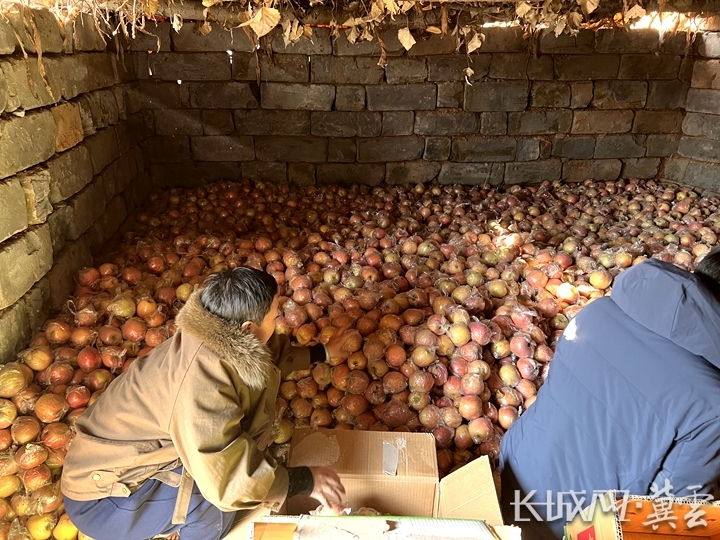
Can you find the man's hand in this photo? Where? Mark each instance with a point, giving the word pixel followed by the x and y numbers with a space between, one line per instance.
pixel 343 342
pixel 327 488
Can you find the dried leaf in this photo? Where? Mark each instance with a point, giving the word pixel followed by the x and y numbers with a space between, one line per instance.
pixel 307 32
pixel 433 30
pixel 391 7
pixel 243 17
pixel 286 37
pixel 210 3
pixel 531 18
pixel 150 7
pixel 475 43
pixel 635 12
pixel 177 22
pixel 560 26
pixel 405 38
pixel 376 13
pixel 298 32
pixel 382 62
pixel 264 21
pixel 383 51
pixel 406 6
pixel 588 6
pixel 444 20
pixel 202 28
pixel 468 72
pixel 574 20
pixel 292 31
pixel 522 9
pixel 352 34
pixel 366 34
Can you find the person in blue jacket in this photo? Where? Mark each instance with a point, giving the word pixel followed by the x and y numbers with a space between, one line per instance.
pixel 631 402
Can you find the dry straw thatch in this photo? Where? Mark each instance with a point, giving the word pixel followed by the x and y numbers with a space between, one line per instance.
pixel 362 20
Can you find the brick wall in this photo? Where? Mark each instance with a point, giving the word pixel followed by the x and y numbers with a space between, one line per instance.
pixel 71 168
pixel 602 105
pixel 697 161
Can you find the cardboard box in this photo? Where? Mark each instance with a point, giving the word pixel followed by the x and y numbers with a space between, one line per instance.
pixel 377 528
pixel 644 518
pixel 395 474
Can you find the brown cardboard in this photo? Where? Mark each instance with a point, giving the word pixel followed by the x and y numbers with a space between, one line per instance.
pixel 639 518
pixel 468 493
pixel 396 474
pixel 360 459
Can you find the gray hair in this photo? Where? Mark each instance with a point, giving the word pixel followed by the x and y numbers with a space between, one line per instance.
pixel 240 294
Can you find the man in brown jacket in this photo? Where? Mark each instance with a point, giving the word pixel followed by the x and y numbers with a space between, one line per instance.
pixel 176 443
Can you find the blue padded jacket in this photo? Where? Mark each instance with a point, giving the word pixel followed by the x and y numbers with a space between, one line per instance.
pixel 632 398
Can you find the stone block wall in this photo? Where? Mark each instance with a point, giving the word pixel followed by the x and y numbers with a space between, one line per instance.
pixel 602 105
pixel 71 168
pixel 697 162
pixel 88 132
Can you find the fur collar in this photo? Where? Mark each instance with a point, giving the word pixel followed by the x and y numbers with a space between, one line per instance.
pixel 227 339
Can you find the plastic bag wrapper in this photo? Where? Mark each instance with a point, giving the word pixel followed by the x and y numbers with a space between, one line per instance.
pixel 522 316
pixel 87 316
pixel 279 452
pixel 18 531
pixel 324 511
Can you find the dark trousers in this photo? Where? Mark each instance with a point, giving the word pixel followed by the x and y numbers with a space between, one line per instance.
pixel 148 512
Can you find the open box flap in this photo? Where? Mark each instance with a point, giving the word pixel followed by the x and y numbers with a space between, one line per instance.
pixel 469 493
